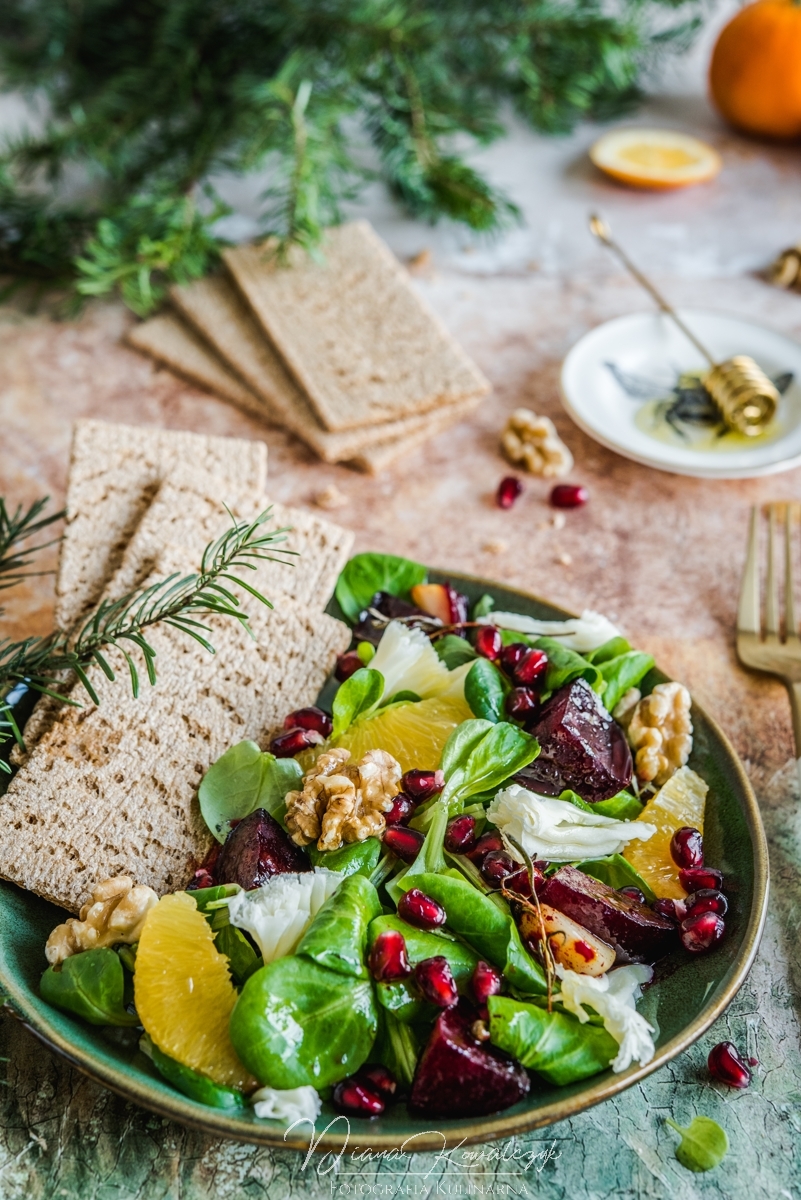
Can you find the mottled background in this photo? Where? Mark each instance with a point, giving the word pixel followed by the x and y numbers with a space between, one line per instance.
pixel 660 554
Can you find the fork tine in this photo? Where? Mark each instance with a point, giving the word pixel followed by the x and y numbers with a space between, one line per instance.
pixel 772 581
pixel 748 617
pixel 791 624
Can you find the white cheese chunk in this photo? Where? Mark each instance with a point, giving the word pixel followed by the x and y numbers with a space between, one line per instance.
pixel 278 913
pixel 614 998
pixel 559 831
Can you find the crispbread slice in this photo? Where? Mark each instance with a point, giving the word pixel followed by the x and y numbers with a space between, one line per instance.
pixel 114 472
pixel 112 789
pixel 172 342
pixel 352 330
pixel 218 312
pixel 375 459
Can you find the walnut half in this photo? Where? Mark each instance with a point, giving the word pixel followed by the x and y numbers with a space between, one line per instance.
pixel 532 442
pixel 343 801
pixel 660 733
pixel 116 913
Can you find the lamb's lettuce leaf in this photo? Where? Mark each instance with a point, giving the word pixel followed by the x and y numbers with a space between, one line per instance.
pixel 366 574
pixel 337 936
pixel 479 756
pixel 454 651
pixel 356 698
pixel 243 779
pixel 89 985
pixel 485 690
pixel 555 1045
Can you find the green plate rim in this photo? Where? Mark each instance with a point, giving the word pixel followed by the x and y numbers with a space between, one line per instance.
pixel 464 1132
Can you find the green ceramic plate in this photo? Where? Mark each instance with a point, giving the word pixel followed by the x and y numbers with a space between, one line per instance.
pixel 684 1004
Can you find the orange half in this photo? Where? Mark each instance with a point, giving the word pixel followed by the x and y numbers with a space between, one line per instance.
pixel 655 158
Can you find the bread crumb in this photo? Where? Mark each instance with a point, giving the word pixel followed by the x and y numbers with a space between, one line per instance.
pixel 559 520
pixel 564 558
pixel 330 498
pixel 421 264
pixel 495 546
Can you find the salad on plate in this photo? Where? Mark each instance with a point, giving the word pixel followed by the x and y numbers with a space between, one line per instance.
pixel 446 885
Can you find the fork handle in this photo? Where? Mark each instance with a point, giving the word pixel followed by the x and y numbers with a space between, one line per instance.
pixel 795 704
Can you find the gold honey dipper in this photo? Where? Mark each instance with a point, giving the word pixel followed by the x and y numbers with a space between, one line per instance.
pixel 740 389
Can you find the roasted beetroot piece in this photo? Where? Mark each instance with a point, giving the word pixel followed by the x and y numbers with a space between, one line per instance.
pixel 510 656
pixel 401 811
pixel 388 958
pixel 370 628
pixel 726 1065
pixel 422 785
pixel 485 982
pixel 701 932
pixel 687 847
pixel 635 932
pixel 671 910
pixel 521 704
pixel 694 878
pixel 434 978
pixel 347 665
pixel 460 836
pixel 488 642
pixel 706 900
pixel 420 910
pixel 581 747
pixel 442 601
pixel 484 846
pixel 310 718
pixel 406 843
pixel 357 1099
pixel 459 1076
pixel 288 744
pixel 256 850
pixel 378 1079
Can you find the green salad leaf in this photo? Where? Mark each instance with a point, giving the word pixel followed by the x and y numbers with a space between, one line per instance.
pixel 353 858
pixel 242 958
pixel 480 756
pixel 483 606
pixel 485 690
pixel 336 937
pixel 367 574
pixel 565 665
pixel 556 1045
pixel 397 1048
pixel 622 807
pixel 616 872
pixel 89 985
pixel 240 781
pixel 621 673
pixel 611 649
pixel 193 1084
pixel 454 651
pixel 703 1143
pixel 356 697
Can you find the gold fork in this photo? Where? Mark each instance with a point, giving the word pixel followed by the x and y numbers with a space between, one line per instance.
pixel 776 646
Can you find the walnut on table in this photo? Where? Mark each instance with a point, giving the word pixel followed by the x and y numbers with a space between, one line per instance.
pixel 116 913
pixel 660 733
pixel 532 442
pixel 343 801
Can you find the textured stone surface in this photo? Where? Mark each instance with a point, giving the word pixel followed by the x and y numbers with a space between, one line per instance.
pixel 660 554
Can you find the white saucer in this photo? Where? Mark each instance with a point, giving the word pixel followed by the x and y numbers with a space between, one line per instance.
pixel 614 377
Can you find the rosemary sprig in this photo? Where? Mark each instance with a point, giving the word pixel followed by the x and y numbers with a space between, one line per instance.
pixel 15 528
pixel 183 601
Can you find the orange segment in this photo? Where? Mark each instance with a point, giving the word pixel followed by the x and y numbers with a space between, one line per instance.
pixel 183 991
pixel 680 802
pixel 655 158
pixel 412 733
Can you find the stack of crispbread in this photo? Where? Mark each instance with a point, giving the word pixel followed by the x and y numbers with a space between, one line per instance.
pixel 112 788
pixel 341 352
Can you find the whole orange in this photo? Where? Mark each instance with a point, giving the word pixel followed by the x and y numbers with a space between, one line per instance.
pixel 755 74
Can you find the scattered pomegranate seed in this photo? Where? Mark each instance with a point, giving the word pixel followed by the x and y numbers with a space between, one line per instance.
pixel 521 703
pixel 378 1079
pixel 672 910
pixel 569 495
pixel 488 642
pixel 701 932
pixel 485 982
pixel 509 489
pixel 511 655
pixel 404 842
pixel 531 667
pixel 460 836
pixel 485 844
pixel 706 900
pixel 500 869
pixel 435 980
pixel 310 718
pixel 388 957
pixel 694 878
pixel 402 809
pixel 355 1099
pixel 347 665
pixel 727 1066
pixel 420 910
pixel 633 893
pixel 687 847
pixel 422 785
pixel 293 741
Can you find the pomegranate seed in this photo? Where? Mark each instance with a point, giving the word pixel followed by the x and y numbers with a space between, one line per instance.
pixel 355 1099
pixel 531 667
pixel 633 893
pixel 200 879
pixel 499 868
pixel 726 1065
pixel 701 932
pixel 420 910
pixel 488 642
pixel 402 809
pixel 687 847
pixel 378 1079
pixel 435 980
pixel 485 844
pixel 460 836
pixel 694 878
pixel 508 491
pixel 521 703
pixel 672 910
pixel 293 741
pixel 569 495
pixel 310 718
pixel 511 655
pixel 485 982
pixel 388 957
pixel 706 900
pixel 458 605
pixel 347 665
pixel 404 842
pixel 422 785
